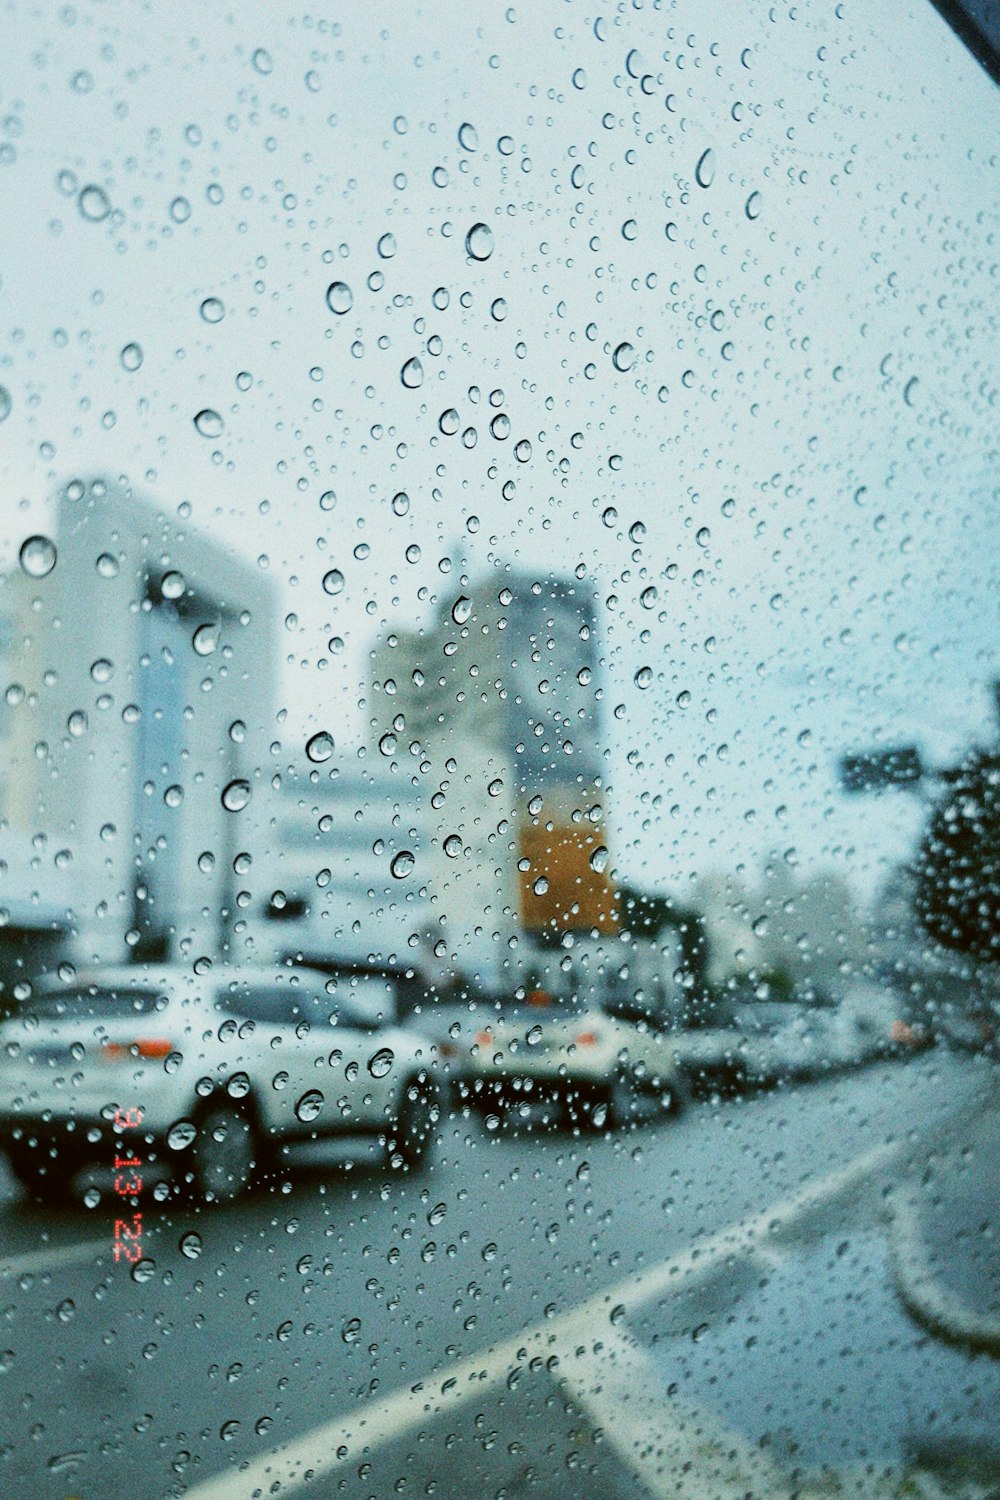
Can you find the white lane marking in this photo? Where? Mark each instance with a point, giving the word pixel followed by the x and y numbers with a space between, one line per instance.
pixel 658 1437
pixel 347 1437
pixel 50 1260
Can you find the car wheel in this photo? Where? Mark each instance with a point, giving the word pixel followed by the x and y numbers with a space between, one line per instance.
pixel 675 1096
pixel 226 1153
pixel 412 1133
pixel 600 1106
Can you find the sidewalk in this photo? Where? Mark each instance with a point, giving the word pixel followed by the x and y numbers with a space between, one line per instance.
pixel 946 1232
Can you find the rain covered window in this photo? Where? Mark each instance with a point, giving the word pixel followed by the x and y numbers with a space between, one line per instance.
pixel 499 751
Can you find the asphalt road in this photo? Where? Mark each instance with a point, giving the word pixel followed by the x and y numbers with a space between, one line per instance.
pixel 491 1326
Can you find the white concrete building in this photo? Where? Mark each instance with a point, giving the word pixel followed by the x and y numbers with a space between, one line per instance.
pixel 346 856
pixel 139 697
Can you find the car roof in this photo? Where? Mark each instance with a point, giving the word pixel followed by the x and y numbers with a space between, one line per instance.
pixel 180 977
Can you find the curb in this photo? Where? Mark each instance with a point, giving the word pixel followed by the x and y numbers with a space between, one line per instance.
pixel 938 1311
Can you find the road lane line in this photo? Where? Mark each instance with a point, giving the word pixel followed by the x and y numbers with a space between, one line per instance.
pixel 50 1260
pixel 657 1437
pixel 347 1437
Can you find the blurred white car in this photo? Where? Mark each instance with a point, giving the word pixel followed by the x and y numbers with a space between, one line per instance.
pixel 215 1070
pixel 777 1041
pixel 595 1060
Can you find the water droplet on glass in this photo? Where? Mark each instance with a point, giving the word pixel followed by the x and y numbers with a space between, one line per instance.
pixel 180 210
pixel 205 639
pixel 333 582
pixel 453 846
pixel 209 423
pixel 461 609
pixel 320 747
pixel 181 1134
pixel 648 597
pixel 412 374
pixel 752 206
pixel 495 787
pixel 212 310
pixel 624 357
pixel 143 1270
pixel 498 309
pixel 479 242
pixel 402 864
pixel 236 795
pixel 400 503
pixel 500 426
pixel 172 585
pixel 131 357
pixel 91 1198
pixel 38 556
pixel 540 886
pixel 704 172
pixel 190 1244
pixel 644 677
pixel 599 859
pixel 309 1106
pixel 339 297
pixel 467 137
pixel 380 1063
pixel 238 1086
pixel 436 1214
pixel 386 246
pixel 262 61
pixel 94 203
pixel 350 1330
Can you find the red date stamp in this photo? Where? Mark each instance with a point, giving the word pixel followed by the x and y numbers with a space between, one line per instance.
pixel 128 1184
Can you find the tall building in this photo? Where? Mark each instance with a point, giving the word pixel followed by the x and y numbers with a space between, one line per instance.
pixel 139 669
pixel 499 703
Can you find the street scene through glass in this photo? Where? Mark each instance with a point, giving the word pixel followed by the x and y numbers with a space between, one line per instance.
pixel 499 751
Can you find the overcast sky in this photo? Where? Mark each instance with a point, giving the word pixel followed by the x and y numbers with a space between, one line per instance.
pixel 803 419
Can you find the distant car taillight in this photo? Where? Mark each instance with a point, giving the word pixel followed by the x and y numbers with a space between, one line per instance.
pixel 149 1047
pixel 587 1039
pixel 484 1038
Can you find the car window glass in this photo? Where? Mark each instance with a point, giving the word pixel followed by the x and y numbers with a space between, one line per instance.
pixel 93 1001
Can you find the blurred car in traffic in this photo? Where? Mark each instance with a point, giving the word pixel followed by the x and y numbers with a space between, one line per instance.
pixel 595 1057
pixel 218 1070
pixel 766 1042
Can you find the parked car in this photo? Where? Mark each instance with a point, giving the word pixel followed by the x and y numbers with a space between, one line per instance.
pixel 219 1069
pixel 595 1057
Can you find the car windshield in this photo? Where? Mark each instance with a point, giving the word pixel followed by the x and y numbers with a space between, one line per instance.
pixel 499 750
pixel 94 1000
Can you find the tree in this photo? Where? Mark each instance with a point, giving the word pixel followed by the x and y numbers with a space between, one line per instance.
pixel 957 869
